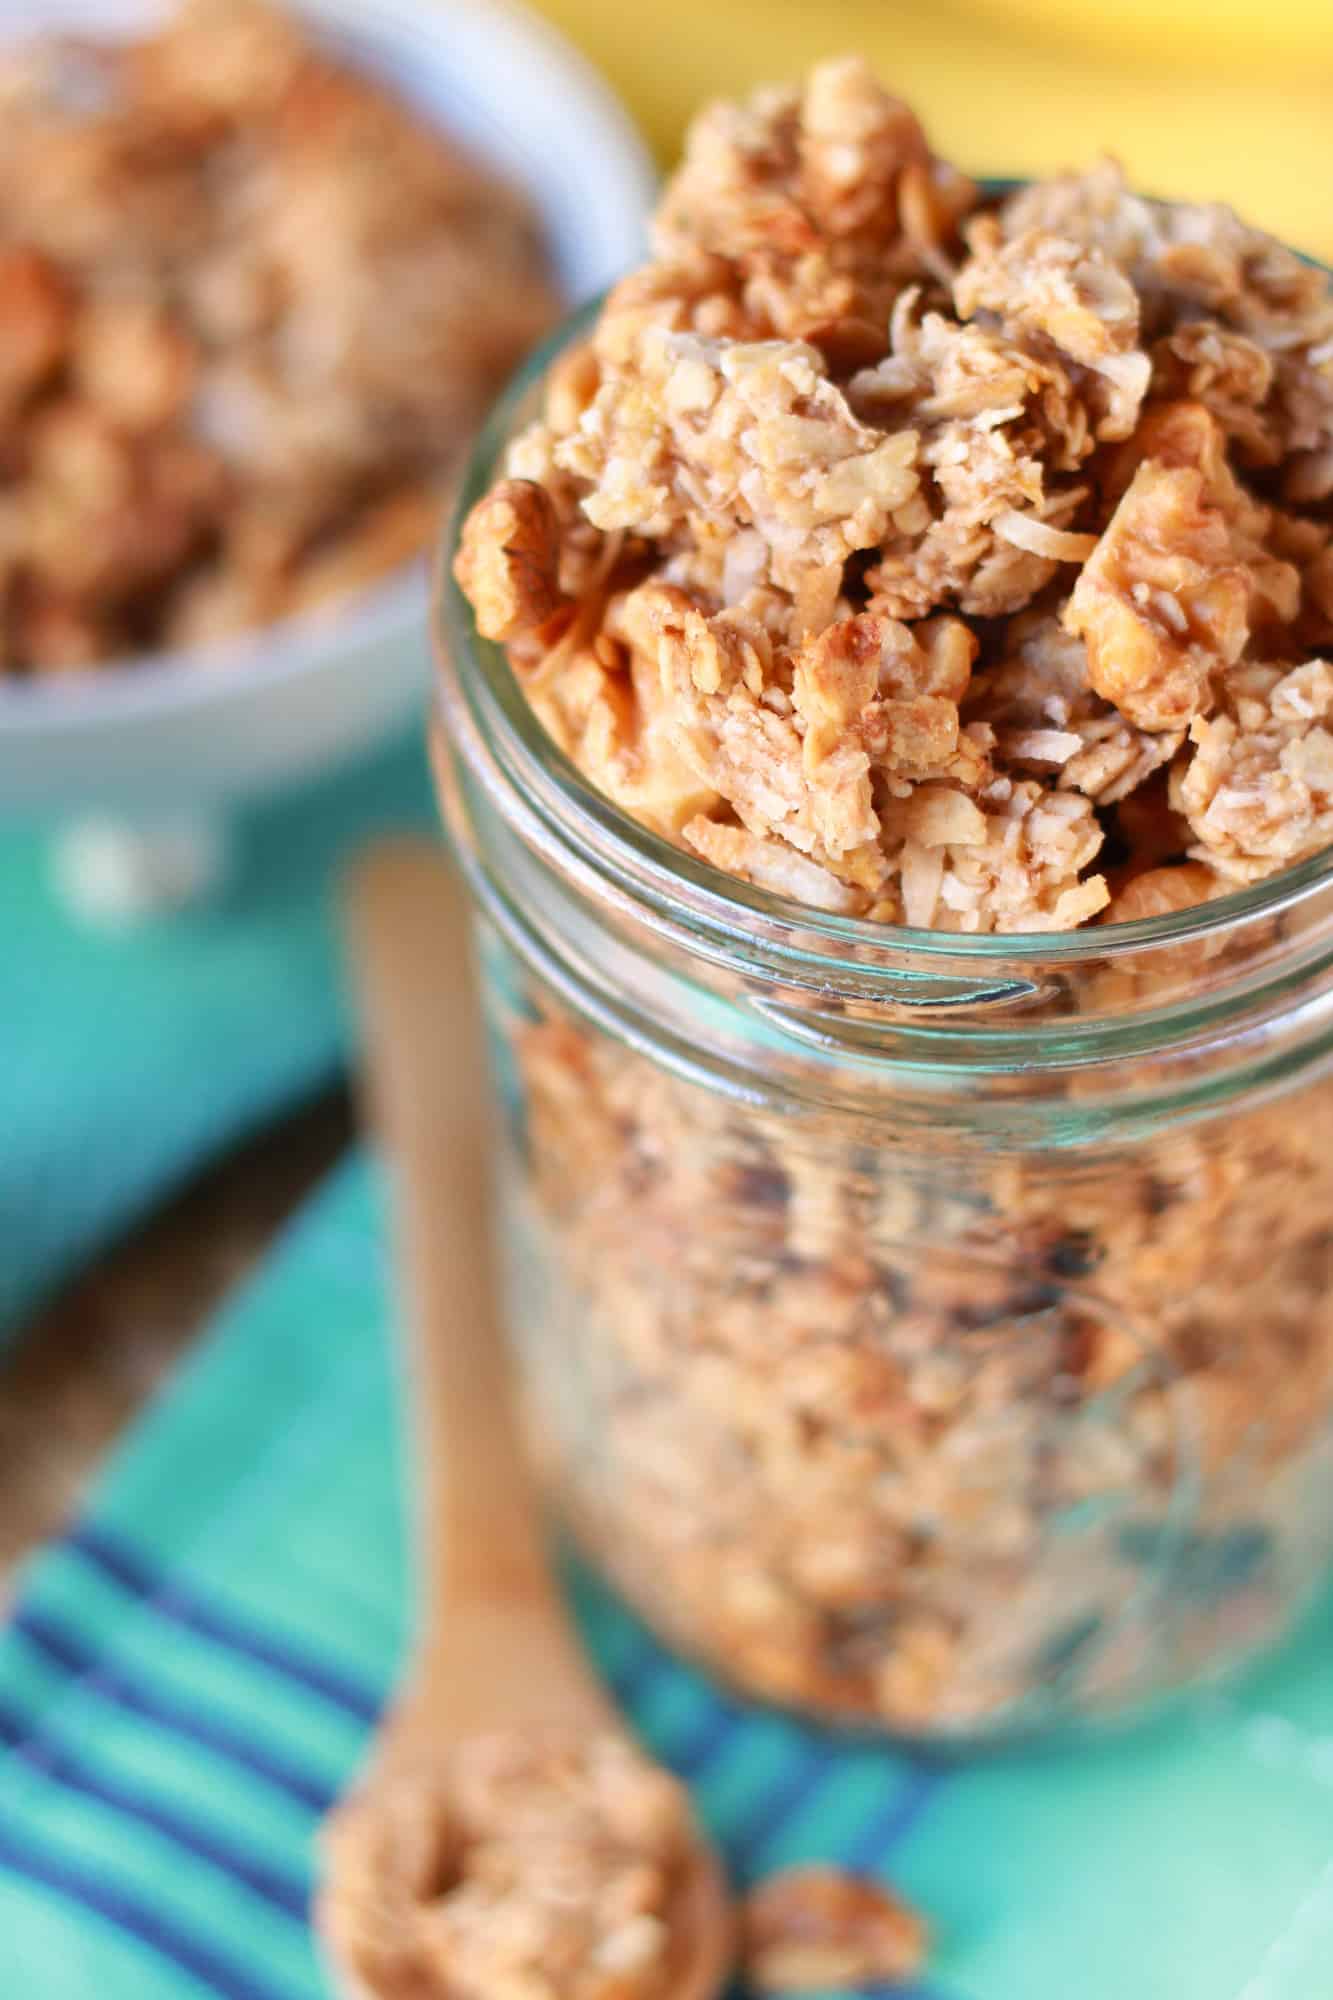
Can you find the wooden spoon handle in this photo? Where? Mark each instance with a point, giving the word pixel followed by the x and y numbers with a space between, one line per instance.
pixel 408 930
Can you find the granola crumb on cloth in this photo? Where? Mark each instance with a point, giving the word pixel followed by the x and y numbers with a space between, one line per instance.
pixel 907 533
pixel 525 1868
pixel 814 1929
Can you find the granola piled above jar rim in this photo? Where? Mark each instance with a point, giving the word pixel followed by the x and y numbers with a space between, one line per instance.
pixel 933 558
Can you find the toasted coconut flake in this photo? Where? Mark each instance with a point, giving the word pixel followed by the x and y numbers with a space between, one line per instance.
pixel 1039 538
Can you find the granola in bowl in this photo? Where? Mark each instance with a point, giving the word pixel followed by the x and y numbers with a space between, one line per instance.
pixel 937 1340
pixel 252 306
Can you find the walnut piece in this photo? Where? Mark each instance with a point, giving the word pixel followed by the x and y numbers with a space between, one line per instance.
pixel 1162 603
pixel 817 1928
pixel 508 564
pixel 801 213
pixel 250 306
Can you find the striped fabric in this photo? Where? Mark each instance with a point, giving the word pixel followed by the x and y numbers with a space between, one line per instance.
pixel 189 1675
pixel 129 1061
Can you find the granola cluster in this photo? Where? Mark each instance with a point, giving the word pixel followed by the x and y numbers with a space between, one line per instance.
pixel 528 1867
pixel 890 547
pixel 249 306
pixel 815 1929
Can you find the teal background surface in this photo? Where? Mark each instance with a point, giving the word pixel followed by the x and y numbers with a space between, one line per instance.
pixel 129 1059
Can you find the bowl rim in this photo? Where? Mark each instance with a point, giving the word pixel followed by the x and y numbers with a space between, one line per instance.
pixel 144 686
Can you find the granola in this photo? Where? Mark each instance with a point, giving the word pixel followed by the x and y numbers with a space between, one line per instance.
pixel 526 1867
pixel 251 307
pixel 851 403
pixel 897 1433
pixel 1258 792
pixel 817 1928
pixel 965 564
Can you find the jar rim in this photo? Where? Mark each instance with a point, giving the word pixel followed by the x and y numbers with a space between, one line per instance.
pixel 669 877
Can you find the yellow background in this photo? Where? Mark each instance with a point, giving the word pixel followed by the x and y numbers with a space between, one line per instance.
pixel 1230 100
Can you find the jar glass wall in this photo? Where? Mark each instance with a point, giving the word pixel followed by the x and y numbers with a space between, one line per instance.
pixel 929 1333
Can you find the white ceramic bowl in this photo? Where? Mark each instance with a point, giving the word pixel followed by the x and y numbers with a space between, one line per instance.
pixel 176 733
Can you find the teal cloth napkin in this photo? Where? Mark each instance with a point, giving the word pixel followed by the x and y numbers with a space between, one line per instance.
pixel 190 1674
pixel 128 1060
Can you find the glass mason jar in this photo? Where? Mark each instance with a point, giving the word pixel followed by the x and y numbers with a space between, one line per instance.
pixel 928 1333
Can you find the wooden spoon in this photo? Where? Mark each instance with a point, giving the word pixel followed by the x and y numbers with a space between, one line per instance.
pixel 496 1650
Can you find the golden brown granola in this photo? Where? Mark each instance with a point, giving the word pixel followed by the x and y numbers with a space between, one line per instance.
pixel 1258 792
pixel 251 306
pixel 1046 718
pixel 510 558
pixel 696 442
pixel 817 1928
pixel 904 1435
pixel 853 411
pixel 800 214
pixel 524 1867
